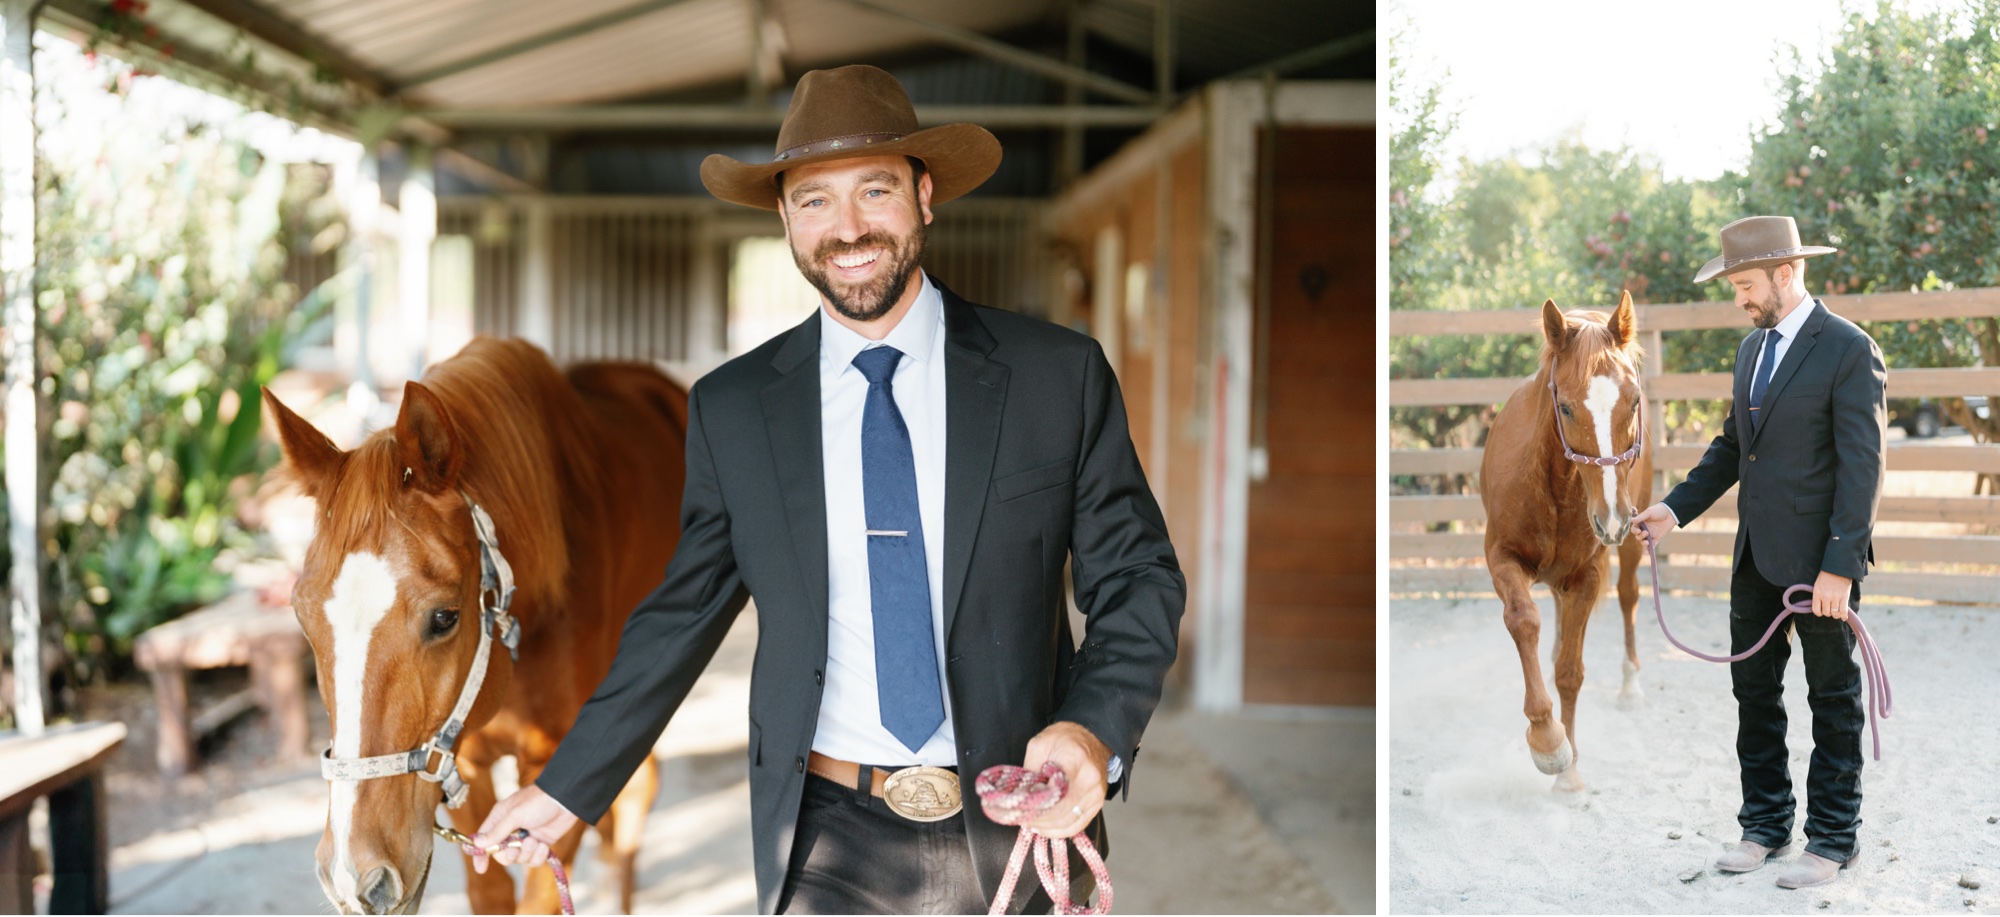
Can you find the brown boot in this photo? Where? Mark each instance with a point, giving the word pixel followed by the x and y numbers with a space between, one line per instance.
pixel 1746 856
pixel 1810 870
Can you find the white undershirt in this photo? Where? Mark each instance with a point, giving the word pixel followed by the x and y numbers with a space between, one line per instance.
pixel 850 722
pixel 1789 327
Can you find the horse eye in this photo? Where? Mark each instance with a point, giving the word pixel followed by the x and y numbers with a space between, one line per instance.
pixel 1565 409
pixel 443 620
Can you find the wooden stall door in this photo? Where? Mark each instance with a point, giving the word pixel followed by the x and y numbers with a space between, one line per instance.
pixel 1309 621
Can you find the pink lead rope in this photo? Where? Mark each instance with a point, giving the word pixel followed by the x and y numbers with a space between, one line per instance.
pixel 514 840
pixel 1013 795
pixel 1879 697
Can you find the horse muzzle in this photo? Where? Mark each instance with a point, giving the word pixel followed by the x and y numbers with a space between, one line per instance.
pixel 1611 532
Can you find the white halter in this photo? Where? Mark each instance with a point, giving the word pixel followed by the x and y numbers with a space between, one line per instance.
pixel 496 593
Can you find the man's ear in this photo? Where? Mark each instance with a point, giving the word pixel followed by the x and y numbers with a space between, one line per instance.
pixel 427 441
pixel 924 189
pixel 313 460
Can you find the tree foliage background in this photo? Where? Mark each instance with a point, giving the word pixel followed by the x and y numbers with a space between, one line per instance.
pixel 1883 146
pixel 163 239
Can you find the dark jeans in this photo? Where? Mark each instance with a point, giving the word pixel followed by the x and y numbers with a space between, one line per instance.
pixel 852 855
pixel 1833 691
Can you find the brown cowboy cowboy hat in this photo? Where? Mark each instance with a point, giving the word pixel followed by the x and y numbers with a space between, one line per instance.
pixel 854 111
pixel 1758 242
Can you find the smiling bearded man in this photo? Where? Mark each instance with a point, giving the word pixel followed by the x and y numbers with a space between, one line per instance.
pixel 898 481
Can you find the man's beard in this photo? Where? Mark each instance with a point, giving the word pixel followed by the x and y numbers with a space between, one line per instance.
pixel 1765 314
pixel 871 299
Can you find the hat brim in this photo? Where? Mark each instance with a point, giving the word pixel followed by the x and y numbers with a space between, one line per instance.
pixel 959 157
pixel 1715 265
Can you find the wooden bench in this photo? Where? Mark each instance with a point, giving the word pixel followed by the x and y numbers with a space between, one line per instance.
pixel 237 631
pixel 66 764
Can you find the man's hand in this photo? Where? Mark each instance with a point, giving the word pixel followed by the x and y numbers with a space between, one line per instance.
pixel 1083 760
pixel 1653 524
pixel 1830 594
pixel 545 818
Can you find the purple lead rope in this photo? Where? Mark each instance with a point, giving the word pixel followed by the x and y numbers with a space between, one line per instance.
pixel 1880 698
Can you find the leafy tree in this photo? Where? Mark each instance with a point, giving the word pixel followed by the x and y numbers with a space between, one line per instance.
pixel 160 283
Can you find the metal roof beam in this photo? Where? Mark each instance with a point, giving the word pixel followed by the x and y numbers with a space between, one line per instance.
pixel 552 37
pixel 257 19
pixel 82 19
pixel 1317 54
pixel 968 40
pixel 714 117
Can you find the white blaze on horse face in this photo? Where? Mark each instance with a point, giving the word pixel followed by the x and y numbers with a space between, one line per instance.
pixel 363 593
pixel 1601 402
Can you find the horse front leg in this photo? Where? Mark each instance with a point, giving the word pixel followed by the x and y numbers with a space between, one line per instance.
pixel 539 894
pixel 1575 599
pixel 492 893
pixel 1548 744
pixel 1630 693
pixel 623 826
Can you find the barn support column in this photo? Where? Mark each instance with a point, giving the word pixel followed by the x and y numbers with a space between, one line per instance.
pixel 17 276
pixel 416 209
pixel 1232 110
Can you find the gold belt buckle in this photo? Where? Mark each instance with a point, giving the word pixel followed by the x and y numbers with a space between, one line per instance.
pixel 922 793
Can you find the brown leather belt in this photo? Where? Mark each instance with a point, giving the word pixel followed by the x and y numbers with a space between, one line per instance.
pixel 920 793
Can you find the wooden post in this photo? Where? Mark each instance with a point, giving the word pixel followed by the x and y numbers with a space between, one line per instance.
pixel 79 845
pixel 17 272
pixel 177 738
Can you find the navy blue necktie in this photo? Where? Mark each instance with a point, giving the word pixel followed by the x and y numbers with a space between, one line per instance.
pixel 1763 376
pixel 899 583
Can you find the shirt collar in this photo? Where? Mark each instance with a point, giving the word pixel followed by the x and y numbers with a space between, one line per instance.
pixel 1797 320
pixel 914 335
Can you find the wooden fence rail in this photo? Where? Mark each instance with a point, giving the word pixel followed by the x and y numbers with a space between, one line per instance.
pixel 1414 555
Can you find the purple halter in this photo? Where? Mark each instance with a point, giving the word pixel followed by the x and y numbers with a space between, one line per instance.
pixel 1638 439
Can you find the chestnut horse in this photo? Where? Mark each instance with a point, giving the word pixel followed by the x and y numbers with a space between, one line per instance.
pixel 497 460
pixel 1565 470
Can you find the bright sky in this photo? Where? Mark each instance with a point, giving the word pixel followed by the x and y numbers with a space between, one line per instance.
pixel 1687 82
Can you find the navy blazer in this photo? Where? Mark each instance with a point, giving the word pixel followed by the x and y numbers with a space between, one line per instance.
pixel 1039 469
pixel 1811 472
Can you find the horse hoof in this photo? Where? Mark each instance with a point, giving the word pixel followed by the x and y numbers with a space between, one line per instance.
pixel 1554 762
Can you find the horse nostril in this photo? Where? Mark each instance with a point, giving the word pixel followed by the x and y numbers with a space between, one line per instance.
pixel 381 890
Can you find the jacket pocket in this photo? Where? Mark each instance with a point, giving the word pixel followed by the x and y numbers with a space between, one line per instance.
pixel 1811 504
pixel 1034 480
pixel 1806 391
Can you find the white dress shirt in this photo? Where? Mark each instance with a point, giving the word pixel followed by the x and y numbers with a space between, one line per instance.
pixel 1790 328
pixel 850 721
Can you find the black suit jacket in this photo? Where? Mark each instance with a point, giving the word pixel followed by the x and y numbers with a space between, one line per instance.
pixel 1812 470
pixel 1039 467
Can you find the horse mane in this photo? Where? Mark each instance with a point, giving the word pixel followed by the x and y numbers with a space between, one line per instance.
pixel 528 461
pixel 1588 332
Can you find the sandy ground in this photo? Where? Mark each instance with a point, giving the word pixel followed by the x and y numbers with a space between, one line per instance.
pixel 1474 828
pixel 1270 813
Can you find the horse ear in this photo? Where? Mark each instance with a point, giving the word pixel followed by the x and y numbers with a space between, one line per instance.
pixel 1555 328
pixel 313 458
pixel 427 441
pixel 1624 323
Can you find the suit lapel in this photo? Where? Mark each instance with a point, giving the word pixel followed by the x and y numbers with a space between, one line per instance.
pixel 792 415
pixel 975 392
pixel 1789 366
pixel 1745 353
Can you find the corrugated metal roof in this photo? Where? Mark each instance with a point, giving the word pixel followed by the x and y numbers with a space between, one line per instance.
pixel 671 45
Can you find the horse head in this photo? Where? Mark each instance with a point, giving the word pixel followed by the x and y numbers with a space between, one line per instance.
pixel 1590 365
pixel 391 600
